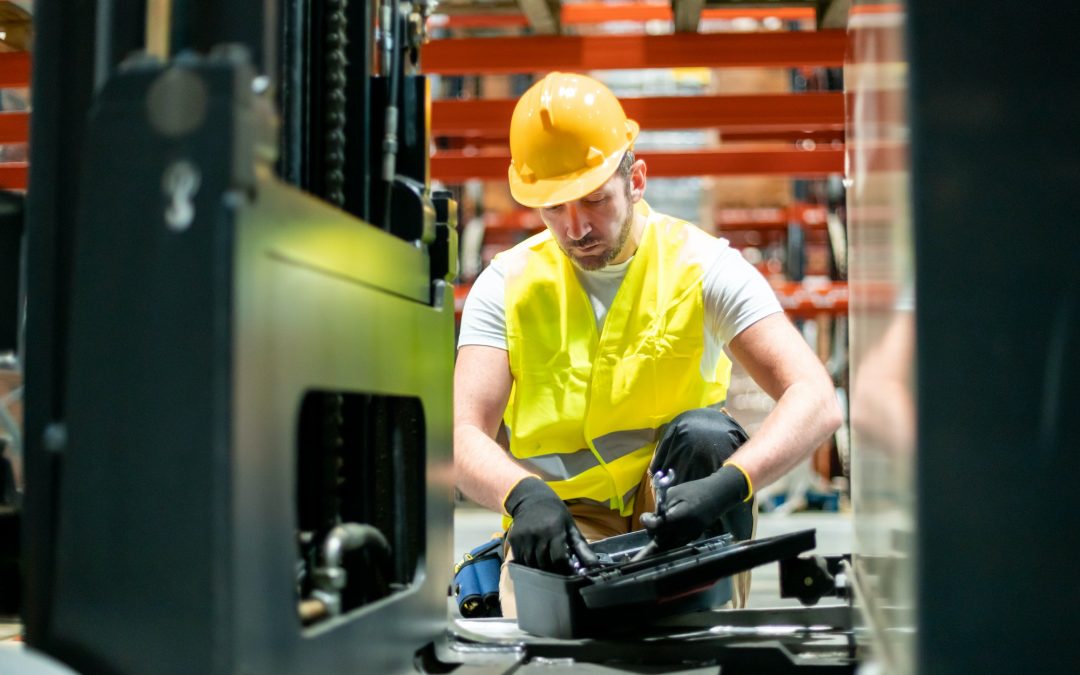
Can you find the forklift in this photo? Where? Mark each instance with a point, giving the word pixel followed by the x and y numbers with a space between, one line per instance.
pixel 239 342
pixel 238 382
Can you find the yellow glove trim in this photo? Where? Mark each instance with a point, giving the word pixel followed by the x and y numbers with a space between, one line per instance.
pixel 749 483
pixel 516 483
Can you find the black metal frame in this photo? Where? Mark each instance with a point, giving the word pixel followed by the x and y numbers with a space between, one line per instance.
pixel 63 79
pixel 162 412
pixel 994 172
pixel 811 578
pixel 12 215
pixel 199 26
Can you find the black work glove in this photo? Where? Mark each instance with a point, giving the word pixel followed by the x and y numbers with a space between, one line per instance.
pixel 693 506
pixel 543 534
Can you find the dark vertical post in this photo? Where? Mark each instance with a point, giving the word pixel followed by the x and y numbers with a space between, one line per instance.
pixel 291 90
pixel 63 79
pixel 121 30
pixel 203 24
pixel 796 251
pixel 12 217
pixel 995 176
pixel 358 108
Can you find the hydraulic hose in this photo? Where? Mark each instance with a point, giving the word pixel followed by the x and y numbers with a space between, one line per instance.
pixel 353 536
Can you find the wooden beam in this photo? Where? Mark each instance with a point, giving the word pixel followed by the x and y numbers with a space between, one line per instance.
pixel 833 13
pixel 158 27
pixel 687 14
pixel 543 19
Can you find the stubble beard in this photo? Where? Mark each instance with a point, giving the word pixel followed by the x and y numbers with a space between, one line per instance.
pixel 594 263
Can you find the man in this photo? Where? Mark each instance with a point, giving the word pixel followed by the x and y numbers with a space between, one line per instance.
pixel 597 348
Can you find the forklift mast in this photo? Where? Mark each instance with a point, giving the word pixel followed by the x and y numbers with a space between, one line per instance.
pixel 239 342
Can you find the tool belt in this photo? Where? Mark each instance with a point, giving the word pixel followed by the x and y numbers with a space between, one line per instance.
pixel 476 580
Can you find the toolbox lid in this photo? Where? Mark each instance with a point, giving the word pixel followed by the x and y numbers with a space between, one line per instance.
pixel 623 594
pixel 686 570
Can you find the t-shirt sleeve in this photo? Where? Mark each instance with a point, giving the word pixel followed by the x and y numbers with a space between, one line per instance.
pixel 483 319
pixel 736 295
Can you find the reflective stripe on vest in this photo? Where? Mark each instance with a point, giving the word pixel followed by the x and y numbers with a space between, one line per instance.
pixel 613 446
pixel 586 409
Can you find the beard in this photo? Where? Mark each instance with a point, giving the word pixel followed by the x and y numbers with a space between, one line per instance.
pixel 601 259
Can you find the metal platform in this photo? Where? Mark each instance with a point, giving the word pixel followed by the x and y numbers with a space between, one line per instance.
pixel 778 640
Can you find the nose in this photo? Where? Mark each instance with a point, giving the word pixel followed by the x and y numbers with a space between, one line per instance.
pixel 576 225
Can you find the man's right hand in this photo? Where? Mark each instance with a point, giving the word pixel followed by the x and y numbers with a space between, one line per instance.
pixel 543 534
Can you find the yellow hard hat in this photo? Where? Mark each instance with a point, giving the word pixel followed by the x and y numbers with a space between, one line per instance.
pixel 567 137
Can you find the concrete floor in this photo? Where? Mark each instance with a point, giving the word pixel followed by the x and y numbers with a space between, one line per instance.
pixel 472 526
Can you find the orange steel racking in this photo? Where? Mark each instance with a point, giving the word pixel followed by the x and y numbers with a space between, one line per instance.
pixel 14 126
pixel 473 56
pixel 798 299
pixel 456 166
pixel 586 13
pixel 14 70
pixel 796 113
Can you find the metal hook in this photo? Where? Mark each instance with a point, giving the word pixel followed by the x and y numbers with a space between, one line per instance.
pixel 180 183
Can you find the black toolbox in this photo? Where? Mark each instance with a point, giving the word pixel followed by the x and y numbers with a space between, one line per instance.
pixel 621 595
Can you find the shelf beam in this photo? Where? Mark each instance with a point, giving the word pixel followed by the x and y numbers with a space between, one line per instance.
pixel 14 127
pixel 14 70
pixel 606 52
pixel 591 13
pixel 13 175
pixel 799 300
pixel 763 112
pixel 459 166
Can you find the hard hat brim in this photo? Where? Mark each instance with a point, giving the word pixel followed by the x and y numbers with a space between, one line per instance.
pixel 545 192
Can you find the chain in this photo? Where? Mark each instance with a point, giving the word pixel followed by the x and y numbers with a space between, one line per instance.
pixel 336 24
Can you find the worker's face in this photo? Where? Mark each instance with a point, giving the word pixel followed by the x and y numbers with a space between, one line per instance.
pixel 594 231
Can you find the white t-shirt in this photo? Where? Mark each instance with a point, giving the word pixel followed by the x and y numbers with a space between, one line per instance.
pixel 735 297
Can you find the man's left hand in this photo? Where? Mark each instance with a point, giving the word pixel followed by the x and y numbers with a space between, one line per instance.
pixel 691 507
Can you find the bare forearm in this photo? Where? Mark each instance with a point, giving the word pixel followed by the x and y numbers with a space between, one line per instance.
pixel 482 383
pixel 882 409
pixel 485 473
pixel 805 415
pixel 884 415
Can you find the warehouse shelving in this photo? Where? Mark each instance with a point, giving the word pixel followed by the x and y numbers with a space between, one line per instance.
pixel 14 126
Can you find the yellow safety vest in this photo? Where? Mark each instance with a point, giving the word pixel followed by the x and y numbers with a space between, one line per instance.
pixel 586 409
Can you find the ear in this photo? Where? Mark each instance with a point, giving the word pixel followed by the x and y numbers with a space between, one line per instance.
pixel 637 180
